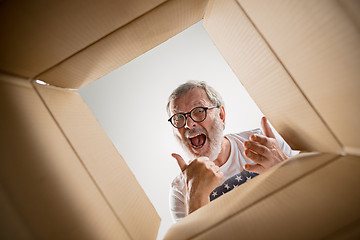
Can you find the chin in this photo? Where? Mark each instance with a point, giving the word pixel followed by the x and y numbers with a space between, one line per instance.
pixel 200 154
pixel 211 154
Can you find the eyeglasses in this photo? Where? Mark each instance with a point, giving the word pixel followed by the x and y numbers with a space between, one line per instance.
pixel 197 114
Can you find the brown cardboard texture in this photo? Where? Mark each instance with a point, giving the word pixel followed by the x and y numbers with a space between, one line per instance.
pixel 102 161
pixel 84 45
pixel 274 88
pixel 41 34
pixel 290 201
pixel 318 44
pixel 298 60
pixel 42 175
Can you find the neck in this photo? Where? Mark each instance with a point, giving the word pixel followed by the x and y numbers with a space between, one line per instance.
pixel 224 154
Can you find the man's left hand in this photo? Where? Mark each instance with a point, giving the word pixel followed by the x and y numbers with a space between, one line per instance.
pixel 263 150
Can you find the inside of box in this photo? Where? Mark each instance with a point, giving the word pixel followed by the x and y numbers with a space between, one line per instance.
pixel 298 60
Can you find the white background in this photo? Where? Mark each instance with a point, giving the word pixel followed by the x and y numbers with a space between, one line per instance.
pixel 130 105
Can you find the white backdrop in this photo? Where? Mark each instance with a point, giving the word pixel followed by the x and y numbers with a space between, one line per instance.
pixel 130 105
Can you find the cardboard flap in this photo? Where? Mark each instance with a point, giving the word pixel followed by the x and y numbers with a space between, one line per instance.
pixel 267 80
pixel 125 44
pixel 37 35
pixel 303 198
pixel 101 160
pixel 61 177
pixel 318 42
pixel 72 44
pixel 53 194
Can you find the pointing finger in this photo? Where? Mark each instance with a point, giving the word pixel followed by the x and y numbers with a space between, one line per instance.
pixel 182 164
pixel 266 128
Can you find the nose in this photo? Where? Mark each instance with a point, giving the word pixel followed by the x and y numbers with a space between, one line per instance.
pixel 189 122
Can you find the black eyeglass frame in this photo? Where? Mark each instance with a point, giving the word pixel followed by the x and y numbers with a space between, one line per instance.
pixel 189 113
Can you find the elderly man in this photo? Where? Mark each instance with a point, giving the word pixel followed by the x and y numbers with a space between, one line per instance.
pixel 218 163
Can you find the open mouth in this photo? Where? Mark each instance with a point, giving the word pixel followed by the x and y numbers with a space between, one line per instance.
pixel 198 141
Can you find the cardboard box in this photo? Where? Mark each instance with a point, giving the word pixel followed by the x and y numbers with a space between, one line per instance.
pixel 299 60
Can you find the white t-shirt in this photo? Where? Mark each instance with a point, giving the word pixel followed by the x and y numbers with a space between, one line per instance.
pixel 232 166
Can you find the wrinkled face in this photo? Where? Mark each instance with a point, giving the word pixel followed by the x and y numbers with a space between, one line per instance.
pixel 199 138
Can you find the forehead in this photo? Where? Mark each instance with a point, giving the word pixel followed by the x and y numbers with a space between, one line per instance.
pixel 193 98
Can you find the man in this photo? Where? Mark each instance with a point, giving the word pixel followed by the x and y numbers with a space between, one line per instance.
pixel 219 163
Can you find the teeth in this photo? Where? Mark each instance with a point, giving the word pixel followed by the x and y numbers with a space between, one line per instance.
pixel 195 135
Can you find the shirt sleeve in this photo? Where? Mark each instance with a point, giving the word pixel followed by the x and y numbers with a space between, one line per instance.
pixel 177 203
pixel 283 145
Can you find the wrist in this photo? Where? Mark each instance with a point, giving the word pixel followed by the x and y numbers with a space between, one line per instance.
pixel 197 201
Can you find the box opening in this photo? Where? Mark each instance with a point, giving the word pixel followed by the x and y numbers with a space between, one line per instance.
pixel 130 105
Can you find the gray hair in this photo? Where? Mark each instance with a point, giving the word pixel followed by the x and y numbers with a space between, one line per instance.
pixel 213 95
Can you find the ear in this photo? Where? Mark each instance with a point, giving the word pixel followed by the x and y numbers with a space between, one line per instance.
pixel 222 114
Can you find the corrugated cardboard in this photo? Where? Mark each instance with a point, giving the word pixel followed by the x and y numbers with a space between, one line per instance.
pixel 85 41
pixel 54 192
pixel 102 161
pixel 37 35
pixel 266 79
pixel 61 178
pixel 312 196
pixel 125 44
pixel 318 42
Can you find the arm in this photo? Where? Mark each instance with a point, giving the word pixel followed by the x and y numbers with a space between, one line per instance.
pixel 177 201
pixel 201 177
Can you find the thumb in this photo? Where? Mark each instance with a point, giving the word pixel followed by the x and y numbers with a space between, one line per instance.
pixel 266 128
pixel 182 164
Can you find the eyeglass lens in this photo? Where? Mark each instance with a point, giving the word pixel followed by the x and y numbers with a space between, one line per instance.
pixel 197 114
